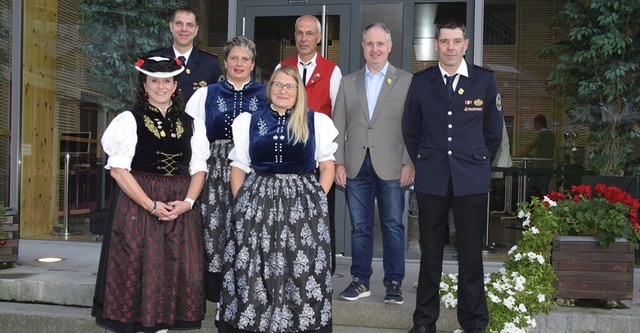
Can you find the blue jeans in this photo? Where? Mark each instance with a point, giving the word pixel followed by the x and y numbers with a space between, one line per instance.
pixel 361 193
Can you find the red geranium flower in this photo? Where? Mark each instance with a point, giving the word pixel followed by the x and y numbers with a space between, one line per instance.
pixel 139 63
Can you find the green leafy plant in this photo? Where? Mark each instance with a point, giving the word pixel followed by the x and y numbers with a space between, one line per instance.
pixel 605 212
pixel 524 287
pixel 597 74
pixel 114 34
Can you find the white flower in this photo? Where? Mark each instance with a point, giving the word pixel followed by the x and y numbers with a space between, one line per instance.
pixel 509 302
pixel 513 249
pixel 541 298
pixel 444 286
pixel 522 308
pixel 517 257
pixel 449 301
pixel 549 201
pixel 534 230
pixel 493 298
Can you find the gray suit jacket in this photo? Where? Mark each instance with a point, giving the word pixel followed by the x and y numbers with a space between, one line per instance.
pixel 382 134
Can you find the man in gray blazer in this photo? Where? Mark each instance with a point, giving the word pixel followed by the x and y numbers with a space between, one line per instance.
pixel 372 162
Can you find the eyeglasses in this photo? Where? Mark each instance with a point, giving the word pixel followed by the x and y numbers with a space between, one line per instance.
pixel 286 87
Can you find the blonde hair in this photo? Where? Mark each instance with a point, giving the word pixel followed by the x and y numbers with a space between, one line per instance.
pixel 298 128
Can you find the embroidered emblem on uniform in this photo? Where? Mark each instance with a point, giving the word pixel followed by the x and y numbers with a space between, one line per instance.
pixel 253 104
pixel 499 102
pixel 460 91
pixel 478 102
pixel 202 83
pixel 222 106
pixel 262 127
pixel 467 102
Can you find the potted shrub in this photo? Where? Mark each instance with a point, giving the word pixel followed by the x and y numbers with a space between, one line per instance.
pixel 606 220
pixel 599 263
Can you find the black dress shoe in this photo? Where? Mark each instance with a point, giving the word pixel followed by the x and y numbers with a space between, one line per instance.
pixel 423 329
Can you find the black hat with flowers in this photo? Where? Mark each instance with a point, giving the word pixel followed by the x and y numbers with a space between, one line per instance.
pixel 159 66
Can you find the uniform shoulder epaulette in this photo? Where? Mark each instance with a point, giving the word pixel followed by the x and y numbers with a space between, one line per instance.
pixel 208 52
pixel 483 68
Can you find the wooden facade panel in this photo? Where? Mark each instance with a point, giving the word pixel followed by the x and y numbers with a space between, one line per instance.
pixel 39 165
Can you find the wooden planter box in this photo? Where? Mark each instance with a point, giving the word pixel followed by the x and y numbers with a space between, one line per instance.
pixel 585 270
pixel 9 252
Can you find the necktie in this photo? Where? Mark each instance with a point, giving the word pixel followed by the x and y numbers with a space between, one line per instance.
pixel 450 83
pixel 304 72
pixel 183 60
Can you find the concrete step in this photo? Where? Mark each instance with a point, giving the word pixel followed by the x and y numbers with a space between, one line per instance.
pixel 41 318
pixel 37 297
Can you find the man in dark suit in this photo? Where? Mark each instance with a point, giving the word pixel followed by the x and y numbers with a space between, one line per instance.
pixel 201 67
pixel 452 127
pixel 372 163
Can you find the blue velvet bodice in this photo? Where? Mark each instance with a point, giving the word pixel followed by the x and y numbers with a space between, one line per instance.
pixel 224 104
pixel 270 149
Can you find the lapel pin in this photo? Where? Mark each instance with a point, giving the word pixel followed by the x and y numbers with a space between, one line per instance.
pixel 460 91
pixel 388 81
pixel 188 71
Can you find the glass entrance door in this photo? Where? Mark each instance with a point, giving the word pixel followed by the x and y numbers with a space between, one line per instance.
pixel 272 29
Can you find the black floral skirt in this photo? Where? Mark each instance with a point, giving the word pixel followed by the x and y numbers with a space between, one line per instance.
pixel 151 272
pixel 277 263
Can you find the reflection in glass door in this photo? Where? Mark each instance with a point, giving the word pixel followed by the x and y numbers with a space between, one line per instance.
pixel 272 29
pixel 275 41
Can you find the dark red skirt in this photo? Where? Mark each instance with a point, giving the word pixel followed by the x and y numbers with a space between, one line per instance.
pixel 151 272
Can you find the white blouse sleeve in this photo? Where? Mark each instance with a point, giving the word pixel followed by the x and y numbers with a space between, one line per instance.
pixel 195 105
pixel 199 148
pixel 119 141
pixel 239 155
pixel 325 133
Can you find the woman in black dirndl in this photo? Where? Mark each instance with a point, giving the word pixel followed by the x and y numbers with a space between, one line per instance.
pixel 277 263
pixel 218 105
pixel 151 276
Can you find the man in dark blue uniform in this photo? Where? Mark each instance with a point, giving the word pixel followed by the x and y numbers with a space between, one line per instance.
pixel 452 127
pixel 201 68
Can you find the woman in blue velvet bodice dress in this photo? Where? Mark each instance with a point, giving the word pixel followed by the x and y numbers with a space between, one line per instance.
pixel 277 263
pixel 218 105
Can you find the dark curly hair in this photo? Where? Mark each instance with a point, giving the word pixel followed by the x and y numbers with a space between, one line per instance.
pixel 142 101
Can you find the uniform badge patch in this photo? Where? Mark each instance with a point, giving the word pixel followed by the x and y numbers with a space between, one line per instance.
pixel 478 102
pixel 499 102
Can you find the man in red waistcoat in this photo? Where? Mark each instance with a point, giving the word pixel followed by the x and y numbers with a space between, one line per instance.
pixel 321 76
